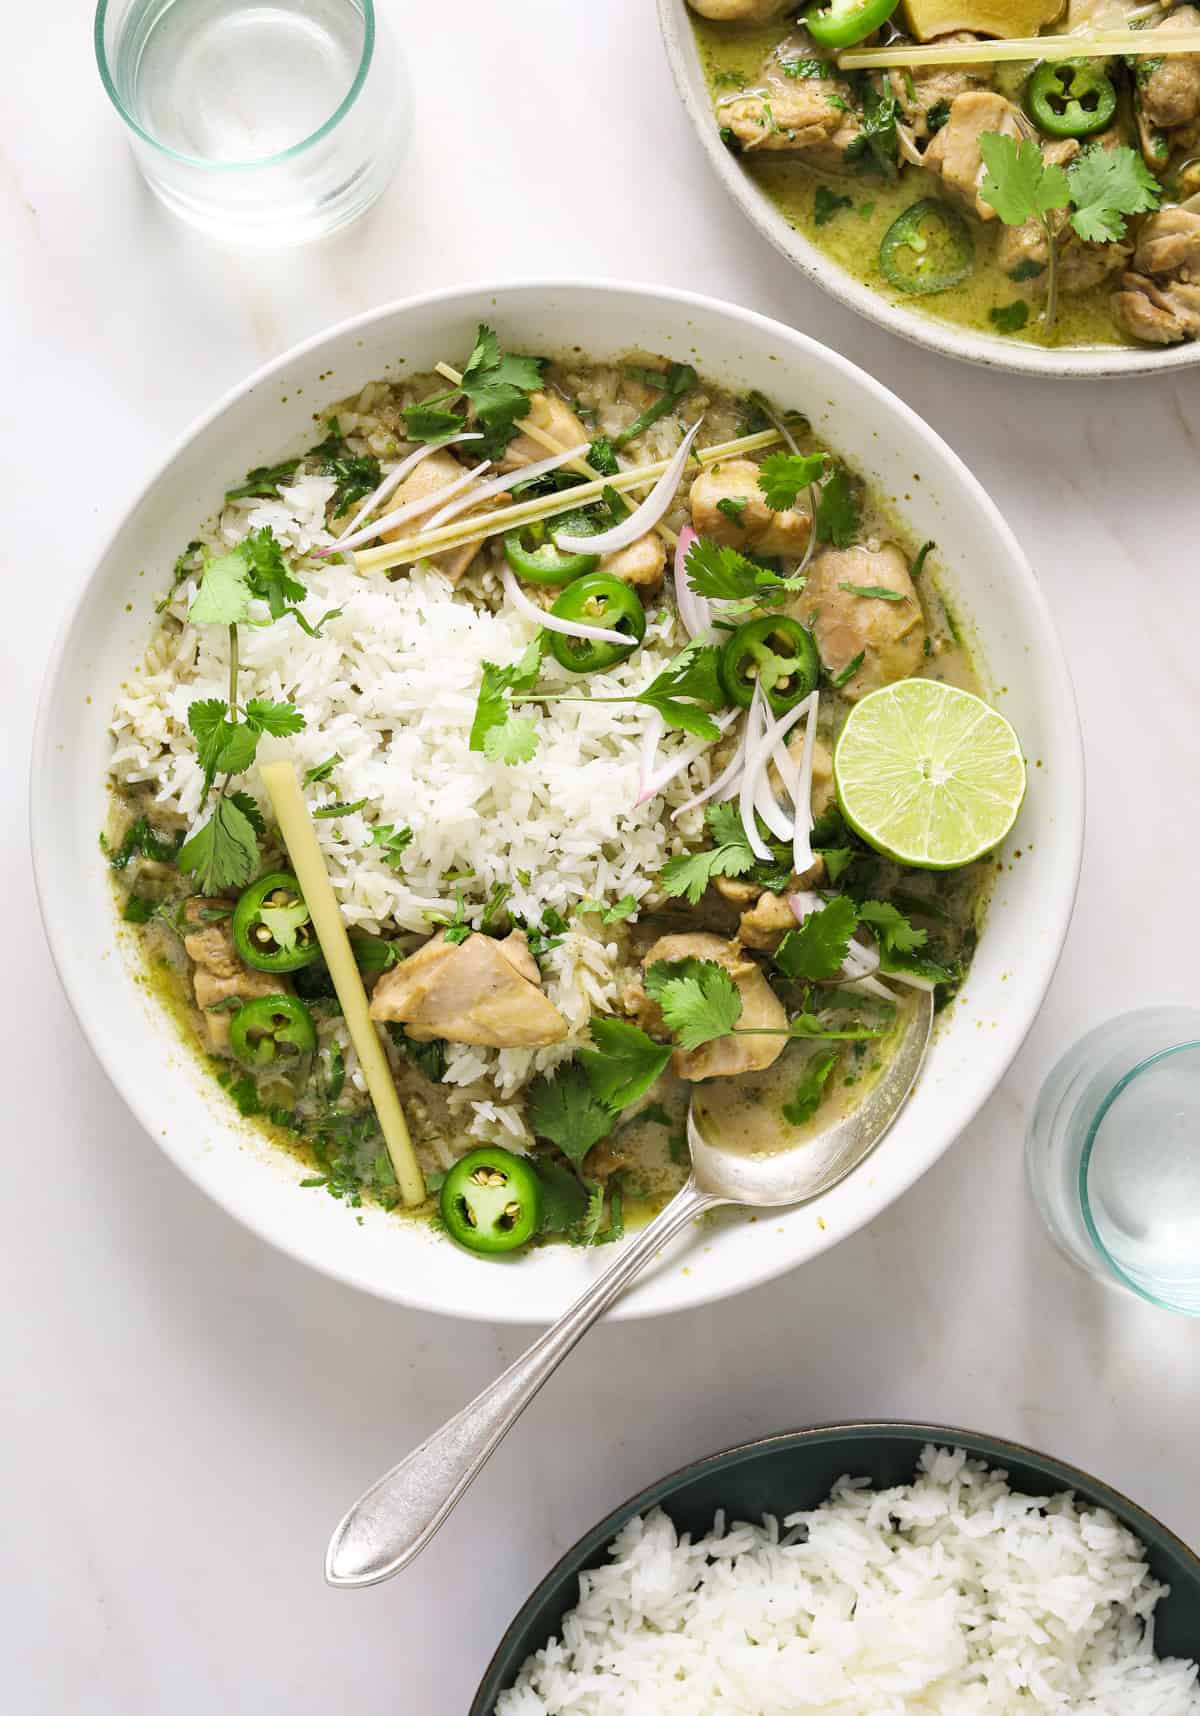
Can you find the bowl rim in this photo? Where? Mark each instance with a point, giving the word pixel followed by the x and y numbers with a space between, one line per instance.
pixel 989 351
pixel 977 1443
pixel 1070 804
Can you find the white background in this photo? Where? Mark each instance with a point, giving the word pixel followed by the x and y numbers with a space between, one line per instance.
pixel 185 1414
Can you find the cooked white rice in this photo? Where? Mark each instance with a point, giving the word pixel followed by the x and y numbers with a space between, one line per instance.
pixel 950 1596
pixel 391 687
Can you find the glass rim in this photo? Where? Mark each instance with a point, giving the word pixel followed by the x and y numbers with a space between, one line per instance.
pixel 367 9
pixel 1147 1064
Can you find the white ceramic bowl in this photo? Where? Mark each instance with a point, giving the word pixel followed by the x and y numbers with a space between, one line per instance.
pixel 107 631
pixel 993 350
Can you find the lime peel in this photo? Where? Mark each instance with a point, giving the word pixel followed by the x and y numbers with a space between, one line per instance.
pixel 929 774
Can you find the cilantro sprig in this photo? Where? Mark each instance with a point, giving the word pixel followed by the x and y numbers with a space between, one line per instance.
pixel 725 574
pixel 781 476
pixel 502 736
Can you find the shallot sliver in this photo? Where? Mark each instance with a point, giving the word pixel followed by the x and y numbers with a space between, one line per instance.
pixel 551 622
pixel 500 485
pixel 643 518
pixel 802 826
pixel 756 761
pixel 725 784
pixel 410 509
pixel 666 775
pixel 395 477
pixel 746 807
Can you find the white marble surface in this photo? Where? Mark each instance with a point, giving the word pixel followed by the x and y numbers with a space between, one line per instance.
pixel 185 1413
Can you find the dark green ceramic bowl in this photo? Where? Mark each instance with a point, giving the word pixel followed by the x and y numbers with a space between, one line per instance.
pixel 797 1470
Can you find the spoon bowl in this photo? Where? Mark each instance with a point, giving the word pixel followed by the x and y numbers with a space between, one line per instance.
pixel 392 1522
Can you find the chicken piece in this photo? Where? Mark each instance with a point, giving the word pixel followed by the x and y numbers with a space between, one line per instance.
pixel 480 991
pixel 889 635
pixel 1081 264
pixel 930 90
pixel 753 527
pixel 1169 243
pixel 1162 314
pixel 741 11
pixel 792 114
pixel 219 974
pixel 766 923
pixel 955 152
pixel 1168 89
pixel 761 1009
pixel 431 475
pixel 641 564
pixel 1159 300
pixel 737 892
pixel 554 417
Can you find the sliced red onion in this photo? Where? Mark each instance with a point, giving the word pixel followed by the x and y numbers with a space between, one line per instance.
pixel 395 477
pixel 862 959
pixel 725 785
pixel 911 978
pixel 810 547
pixel 870 986
pixel 642 518
pixel 667 774
pixel 410 509
pixel 498 485
pixel 694 611
pixel 551 622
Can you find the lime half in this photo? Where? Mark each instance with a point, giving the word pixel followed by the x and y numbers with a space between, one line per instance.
pixel 928 774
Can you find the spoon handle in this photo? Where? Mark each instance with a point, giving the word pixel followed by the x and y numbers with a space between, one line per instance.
pixel 392 1522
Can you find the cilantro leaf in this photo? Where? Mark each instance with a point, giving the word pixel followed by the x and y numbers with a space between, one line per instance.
pixel 699 999
pixel 140 840
pixel 624 908
pixel 224 595
pixel 816 949
pixel 498 386
pixel 877 145
pixel 826 204
pixel 690 873
pixel 732 507
pixel 356 474
pixel 1106 185
pixel 846 674
pixel 394 842
pixel 687 689
pixel 892 929
pixel 513 740
pixel 224 852
pixel 372 953
pixel 491 708
pixel 267 576
pixel 781 476
pixel 727 575
pixel 264 481
pixel 838 511
pixel 1019 184
pixel 280 719
pixel 677 381
pixel 1009 318
pixel 810 1088
pixel 223 747
pixel 248 805
pixel 565 1110
pixel 564 1196
pixel 321 771
pixel 879 592
pixel 624 1063
pixel 432 423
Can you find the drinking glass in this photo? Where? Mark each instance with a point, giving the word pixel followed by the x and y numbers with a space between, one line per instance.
pixel 1113 1155
pixel 267 122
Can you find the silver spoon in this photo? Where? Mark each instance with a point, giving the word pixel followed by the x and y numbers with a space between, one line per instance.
pixel 392 1522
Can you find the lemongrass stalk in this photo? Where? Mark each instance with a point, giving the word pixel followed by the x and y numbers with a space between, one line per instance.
pixel 308 863
pixel 1099 44
pixel 462 531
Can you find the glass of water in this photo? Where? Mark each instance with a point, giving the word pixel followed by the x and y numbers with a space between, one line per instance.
pixel 266 122
pixel 1114 1155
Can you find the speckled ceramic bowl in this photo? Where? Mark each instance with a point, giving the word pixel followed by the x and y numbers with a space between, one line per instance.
pixel 993 350
pixel 797 1469
pixel 136 1040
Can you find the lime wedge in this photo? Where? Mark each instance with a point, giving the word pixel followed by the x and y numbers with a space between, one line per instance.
pixel 928 774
